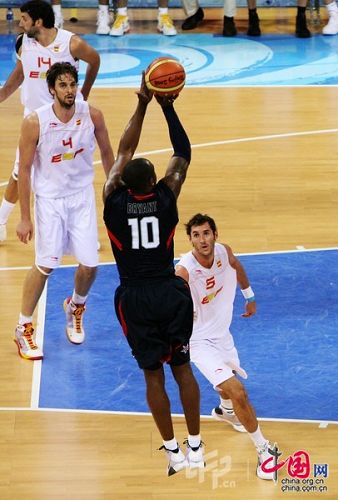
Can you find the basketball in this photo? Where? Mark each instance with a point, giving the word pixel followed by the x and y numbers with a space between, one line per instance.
pixel 165 76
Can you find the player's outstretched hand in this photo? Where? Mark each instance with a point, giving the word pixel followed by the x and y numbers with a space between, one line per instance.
pixel 166 100
pixel 144 94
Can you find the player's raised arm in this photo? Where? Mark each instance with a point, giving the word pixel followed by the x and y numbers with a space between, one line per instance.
pixel 129 141
pixel 177 169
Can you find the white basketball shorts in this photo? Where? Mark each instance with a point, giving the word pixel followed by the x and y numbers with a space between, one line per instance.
pixel 217 362
pixel 66 226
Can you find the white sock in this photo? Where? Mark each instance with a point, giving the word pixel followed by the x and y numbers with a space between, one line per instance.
pixel 227 405
pixel 122 11
pixel 57 10
pixel 332 8
pixel 78 299
pixel 171 444
pixel 230 8
pixel 257 438
pixel 194 441
pixel 5 210
pixel 24 319
pixel 163 11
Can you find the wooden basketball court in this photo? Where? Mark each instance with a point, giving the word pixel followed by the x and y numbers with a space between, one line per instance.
pixel 275 189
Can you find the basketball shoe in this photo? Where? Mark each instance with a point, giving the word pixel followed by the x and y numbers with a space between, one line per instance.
pixel 176 460
pixel 332 26
pixel 302 30
pixel 165 25
pixel 195 456
pixel 120 26
pixel 229 27
pixel 253 28
pixel 193 21
pixel 3 232
pixel 74 319
pixel 24 339
pixel 102 23
pixel 219 414
pixel 265 453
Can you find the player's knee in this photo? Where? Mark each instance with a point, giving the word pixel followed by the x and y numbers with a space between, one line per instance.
pixel 239 396
pixel 182 372
pixel 88 272
pixel 45 271
pixel 233 389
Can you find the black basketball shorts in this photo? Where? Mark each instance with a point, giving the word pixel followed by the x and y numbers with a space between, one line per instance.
pixel 157 318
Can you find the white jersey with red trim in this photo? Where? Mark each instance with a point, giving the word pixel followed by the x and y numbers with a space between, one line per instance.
pixel 63 162
pixel 213 291
pixel 36 60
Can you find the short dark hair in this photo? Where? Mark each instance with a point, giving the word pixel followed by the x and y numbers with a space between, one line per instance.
pixel 137 174
pixel 38 9
pixel 199 220
pixel 58 69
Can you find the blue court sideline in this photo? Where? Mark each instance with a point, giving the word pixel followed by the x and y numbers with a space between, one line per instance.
pixel 289 349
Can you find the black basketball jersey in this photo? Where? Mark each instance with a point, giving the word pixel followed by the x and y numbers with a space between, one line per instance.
pixel 141 230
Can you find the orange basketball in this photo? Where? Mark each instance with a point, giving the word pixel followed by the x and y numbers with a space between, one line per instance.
pixel 165 76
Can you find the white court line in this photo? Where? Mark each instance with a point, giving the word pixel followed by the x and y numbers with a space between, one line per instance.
pixel 211 87
pixel 25 268
pixel 272 252
pixel 243 139
pixel 40 330
pixel 321 423
pixel 232 141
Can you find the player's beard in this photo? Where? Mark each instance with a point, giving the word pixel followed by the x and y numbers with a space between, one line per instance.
pixel 67 104
pixel 32 32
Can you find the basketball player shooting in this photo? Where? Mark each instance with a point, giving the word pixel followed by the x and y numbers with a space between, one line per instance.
pixel 153 306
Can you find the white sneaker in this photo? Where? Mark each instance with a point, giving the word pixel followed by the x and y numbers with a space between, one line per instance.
pixel 58 22
pixel 219 414
pixel 166 25
pixel 3 232
pixel 24 339
pixel 265 453
pixel 102 23
pixel 176 460
pixel 195 456
pixel 332 26
pixel 120 26
pixel 74 318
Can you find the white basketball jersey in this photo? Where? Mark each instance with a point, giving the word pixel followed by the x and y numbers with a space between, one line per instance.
pixel 63 162
pixel 36 60
pixel 213 292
